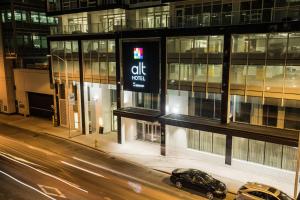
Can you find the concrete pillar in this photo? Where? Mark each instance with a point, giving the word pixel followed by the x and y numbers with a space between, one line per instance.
pixel 7 93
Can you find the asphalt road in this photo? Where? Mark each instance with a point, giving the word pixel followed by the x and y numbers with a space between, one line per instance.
pixel 36 166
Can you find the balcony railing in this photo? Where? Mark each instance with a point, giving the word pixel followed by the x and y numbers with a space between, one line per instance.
pixel 202 20
pixel 63 5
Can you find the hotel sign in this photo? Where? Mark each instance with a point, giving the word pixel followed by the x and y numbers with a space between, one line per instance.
pixel 141 66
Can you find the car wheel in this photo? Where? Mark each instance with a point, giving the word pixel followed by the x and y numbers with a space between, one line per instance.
pixel 209 195
pixel 178 184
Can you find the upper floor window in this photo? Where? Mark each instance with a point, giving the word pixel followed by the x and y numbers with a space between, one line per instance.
pixel 35 17
pixel 6 16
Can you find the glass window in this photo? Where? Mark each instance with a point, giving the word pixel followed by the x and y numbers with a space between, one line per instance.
pixel 219 142
pixel 18 15
pixel 270 114
pixel 240 148
pixel 205 141
pixel 36 41
pixel 173 71
pixel 215 44
pixel 255 78
pixel 200 73
pixel 35 17
pixel 112 69
pixel 201 44
pixel 8 15
pixel 44 42
pixel 289 158
pixel 292 79
pixel 277 45
pixel 256 149
pixel 273 154
pixel 111 46
pixel 24 15
pixel 186 72
pixel 26 39
pixel 186 45
pixel 238 74
pixel 214 73
pixel 274 79
pixel 294 45
pixel 241 109
pixel 240 43
pixel 257 43
pixel 292 118
pixel 43 18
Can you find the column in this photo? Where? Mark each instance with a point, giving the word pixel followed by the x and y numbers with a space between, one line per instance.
pixel 163 93
pixel 118 83
pixel 81 74
pixel 225 103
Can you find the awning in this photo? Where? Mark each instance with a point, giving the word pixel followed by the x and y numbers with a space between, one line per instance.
pixel 263 133
pixel 138 113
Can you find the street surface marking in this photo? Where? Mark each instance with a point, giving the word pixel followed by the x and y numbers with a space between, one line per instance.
pixel 19 159
pixel 82 169
pixel 45 173
pixel 115 172
pixel 51 191
pixel 27 185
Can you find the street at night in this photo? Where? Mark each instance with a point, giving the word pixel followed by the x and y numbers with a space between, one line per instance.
pixel 35 166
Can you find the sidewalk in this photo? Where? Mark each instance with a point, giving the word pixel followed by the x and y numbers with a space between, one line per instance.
pixel 148 155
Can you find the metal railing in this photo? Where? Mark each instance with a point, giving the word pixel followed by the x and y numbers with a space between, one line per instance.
pixel 202 20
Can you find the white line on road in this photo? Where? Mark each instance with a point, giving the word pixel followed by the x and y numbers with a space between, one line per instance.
pixel 26 185
pixel 115 172
pixel 82 169
pixel 43 172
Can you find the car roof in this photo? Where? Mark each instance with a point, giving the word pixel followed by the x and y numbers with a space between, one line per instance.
pixel 263 188
pixel 189 170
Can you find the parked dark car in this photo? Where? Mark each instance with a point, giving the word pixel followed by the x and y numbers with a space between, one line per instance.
pixel 199 181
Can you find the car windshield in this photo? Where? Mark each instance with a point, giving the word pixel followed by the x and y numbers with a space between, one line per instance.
pixel 207 178
pixel 283 196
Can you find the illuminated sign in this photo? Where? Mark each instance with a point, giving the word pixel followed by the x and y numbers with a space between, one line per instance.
pixel 138 53
pixel 141 66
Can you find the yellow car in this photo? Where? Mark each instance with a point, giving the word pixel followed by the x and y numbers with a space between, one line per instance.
pixel 256 191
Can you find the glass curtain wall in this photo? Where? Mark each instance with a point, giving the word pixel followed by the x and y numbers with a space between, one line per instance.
pixel 153 17
pixel 65 66
pixel 108 20
pixel 99 83
pixel 206 141
pixel 265 153
pixel 226 12
pixel 264 79
pixel 194 75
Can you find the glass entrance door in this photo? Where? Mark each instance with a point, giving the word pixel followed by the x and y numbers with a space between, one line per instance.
pixel 148 132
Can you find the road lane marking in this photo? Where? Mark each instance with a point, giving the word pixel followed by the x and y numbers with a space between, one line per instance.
pixel 52 191
pixel 82 169
pixel 19 159
pixel 45 173
pixel 114 171
pixel 27 185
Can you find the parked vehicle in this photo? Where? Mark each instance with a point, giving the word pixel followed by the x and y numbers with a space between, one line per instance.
pixel 199 181
pixel 256 191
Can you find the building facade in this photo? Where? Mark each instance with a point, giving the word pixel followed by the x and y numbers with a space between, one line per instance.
pixel 24 76
pixel 220 77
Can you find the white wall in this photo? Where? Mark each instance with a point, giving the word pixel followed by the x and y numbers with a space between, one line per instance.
pixel 129 130
pixel 30 80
